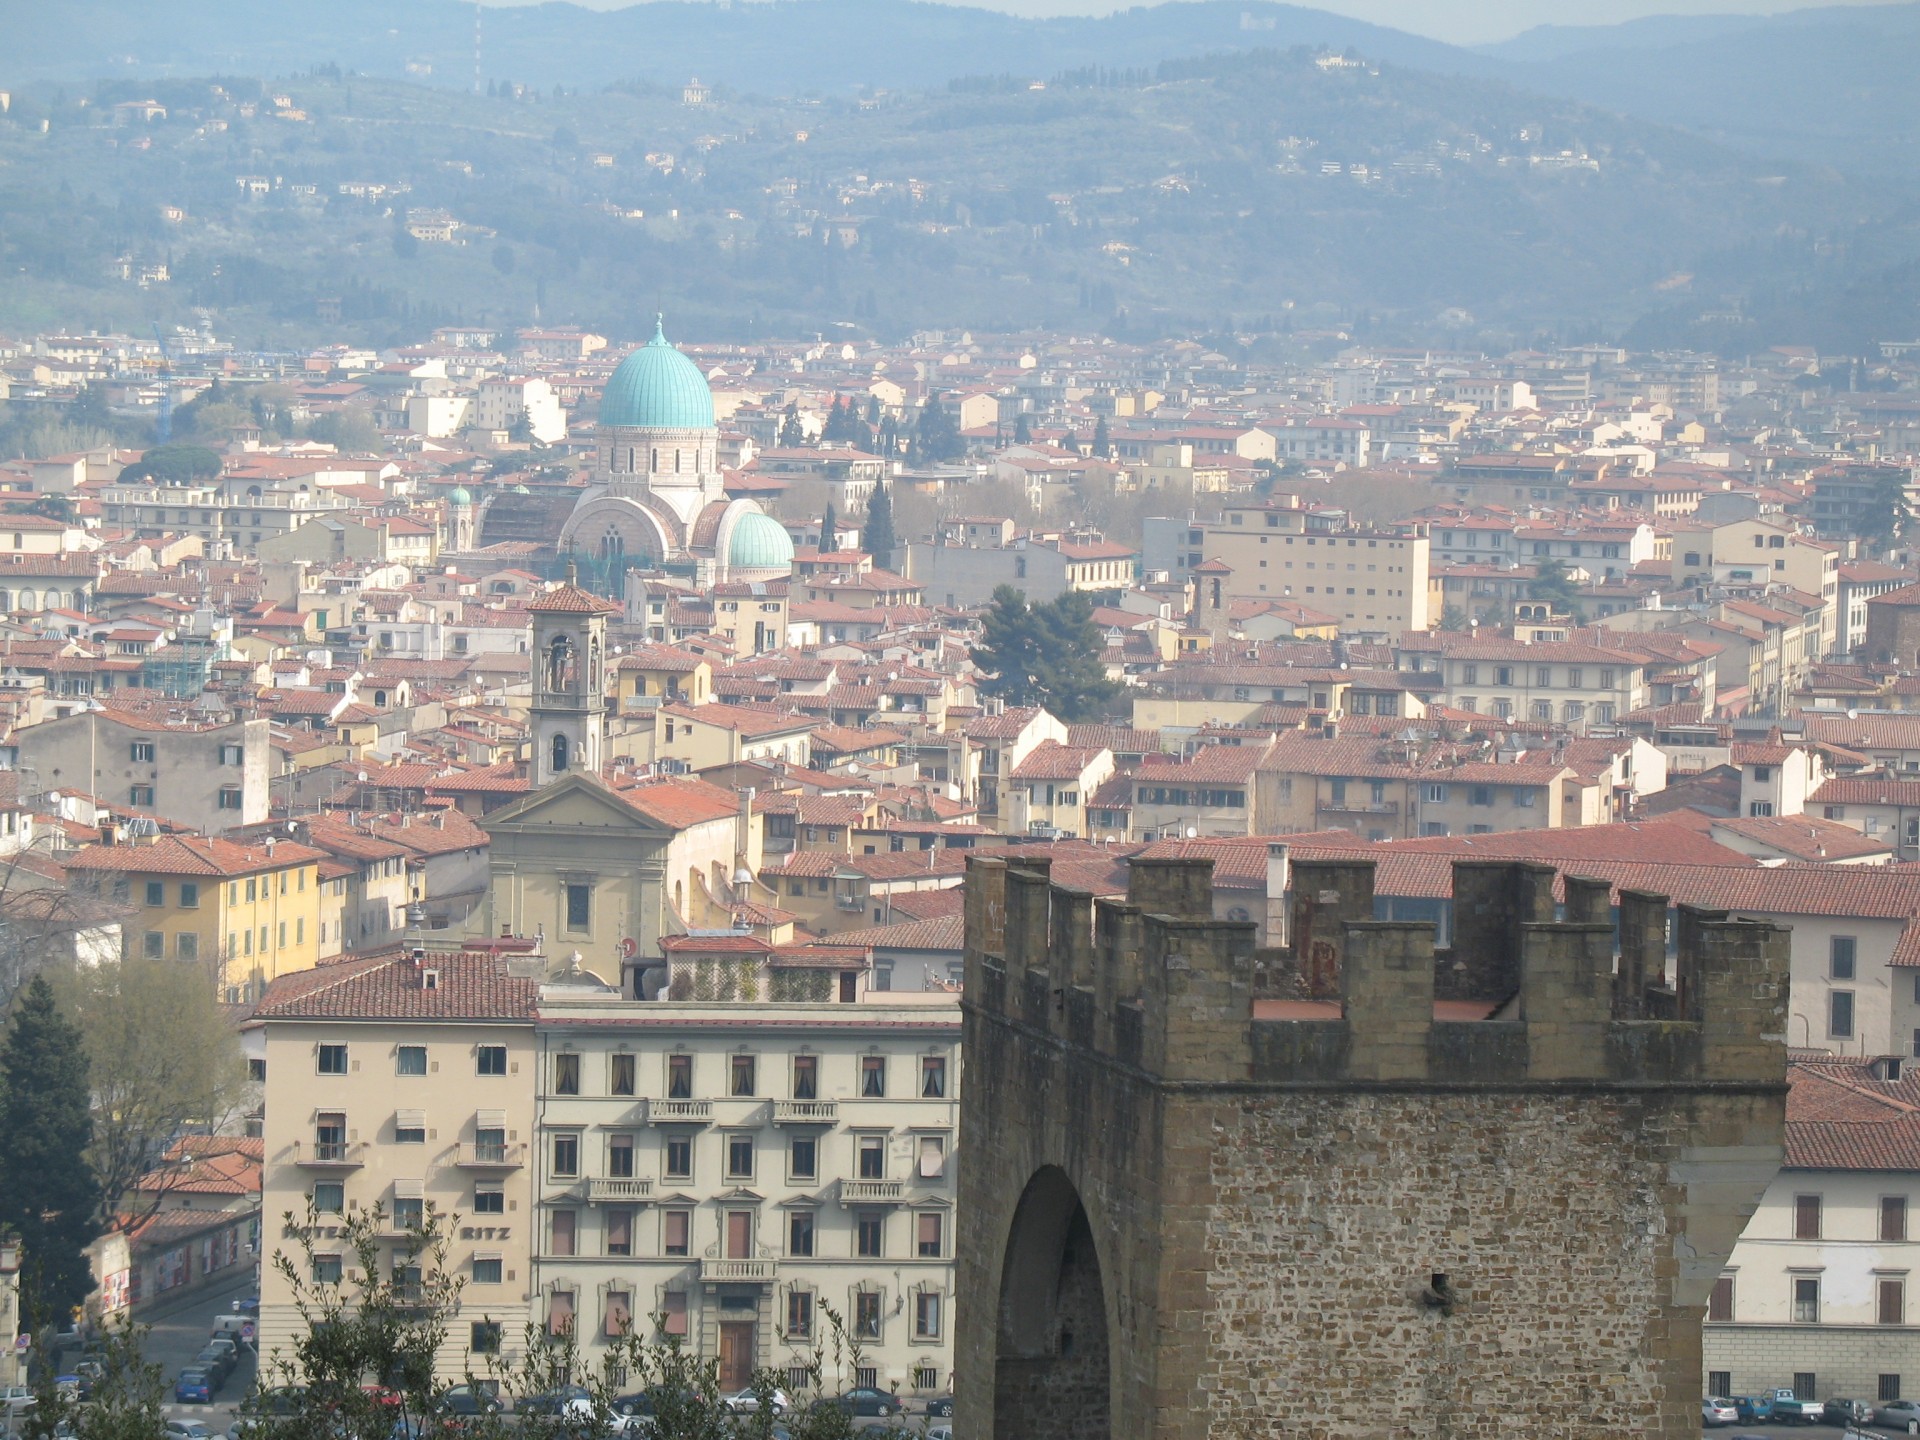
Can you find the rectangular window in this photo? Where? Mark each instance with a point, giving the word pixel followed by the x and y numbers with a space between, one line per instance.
pixel 490 1060
pixel 933 1077
pixel 1720 1302
pixel 933 1156
pixel 143 752
pixel 410 1060
pixel 1840 1014
pixel 329 1197
pixel 866 1315
pixel 740 1157
pixel 1889 1387
pixel 154 944
pixel 620 1157
pixel 409 1212
pixel 673 1310
pixel 566 1074
pixel 619 1231
pixel 679 1158
pixel 566 1156
pixel 679 1077
pixel 563 1229
pixel 926 1315
pixel 490 1143
pixel 189 895
pixel 1804 1385
pixel 1893 1217
pixel 156 892
pixel 560 1313
pixel 1806 1217
pixel 410 1127
pixel 579 906
pixel 803 1158
pixel 141 795
pixel 229 797
pixel 333 1059
pixel 873 1157
pixel 1892 1307
pixel 806 1072
pixel 868 1230
pixel 1720 1382
pixel 873 1077
pixel 486 1270
pixel 926 1235
pixel 1806 1304
pixel 326 1269
pixel 800 1314
pixel 618 1317
pixel 676 1235
pixel 489 1200
pixel 740 1075
pixel 620 1075
pixel 800 1234
pixel 1840 958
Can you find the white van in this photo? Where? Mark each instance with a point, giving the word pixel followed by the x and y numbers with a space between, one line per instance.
pixel 235 1327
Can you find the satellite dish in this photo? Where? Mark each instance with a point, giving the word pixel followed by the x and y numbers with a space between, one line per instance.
pixel 1853 714
pixel 1192 834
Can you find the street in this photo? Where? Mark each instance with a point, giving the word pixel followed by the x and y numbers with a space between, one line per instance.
pixel 181 1334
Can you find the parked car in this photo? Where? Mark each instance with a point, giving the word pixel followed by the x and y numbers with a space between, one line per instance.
pixel 87 1374
pixel 186 1430
pixel 217 1365
pixel 1848 1412
pixel 940 1432
pixel 562 1400
pixel 1754 1408
pixel 747 1402
pixel 1789 1407
pixel 194 1387
pixel 1716 1411
pixel 865 1400
pixel 18 1399
pixel 940 1407
pixel 469 1400
pixel 1897 1412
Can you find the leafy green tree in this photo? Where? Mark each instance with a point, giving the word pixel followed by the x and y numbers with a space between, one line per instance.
pixel 1887 517
pixel 346 430
pixel 48 1192
pixel 175 465
pixel 161 1062
pixel 128 1399
pixel 1045 655
pixel 1452 617
pixel 1552 583
pixel 876 536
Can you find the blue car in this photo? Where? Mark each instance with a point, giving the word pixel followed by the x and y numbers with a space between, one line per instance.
pixel 194 1387
pixel 1754 1407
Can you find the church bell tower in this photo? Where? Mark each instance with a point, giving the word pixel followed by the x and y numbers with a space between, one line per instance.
pixel 569 711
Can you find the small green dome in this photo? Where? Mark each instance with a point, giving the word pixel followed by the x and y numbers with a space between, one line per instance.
pixel 460 496
pixel 520 490
pixel 759 543
pixel 657 388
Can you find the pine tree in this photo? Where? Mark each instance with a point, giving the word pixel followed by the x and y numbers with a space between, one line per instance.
pixel 47 1189
pixel 876 536
pixel 792 433
pixel 1045 655
pixel 829 523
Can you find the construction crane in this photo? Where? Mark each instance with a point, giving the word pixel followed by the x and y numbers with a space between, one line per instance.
pixel 163 428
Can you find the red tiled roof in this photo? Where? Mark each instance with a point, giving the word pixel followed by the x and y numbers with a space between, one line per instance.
pixel 386 986
pixel 191 855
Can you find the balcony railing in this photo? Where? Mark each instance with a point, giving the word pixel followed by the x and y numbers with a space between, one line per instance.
pixel 489 1156
pixel 849 902
pixel 872 1192
pixel 806 1112
pixel 680 1112
pixel 1362 807
pixel 751 1271
pixel 614 1190
pixel 330 1154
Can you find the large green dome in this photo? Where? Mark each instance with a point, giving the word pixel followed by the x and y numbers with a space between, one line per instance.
pixel 657 388
pixel 759 543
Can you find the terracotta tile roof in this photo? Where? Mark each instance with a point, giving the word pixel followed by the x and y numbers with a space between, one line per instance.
pixel 1050 760
pixel 1805 837
pixel 1865 732
pixel 1840 1116
pixel 679 803
pixel 943 932
pixel 1867 790
pixel 739 719
pixel 191 855
pixel 569 599
pixel 386 986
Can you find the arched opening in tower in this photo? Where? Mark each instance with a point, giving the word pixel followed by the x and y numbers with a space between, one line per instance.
pixel 1051 1376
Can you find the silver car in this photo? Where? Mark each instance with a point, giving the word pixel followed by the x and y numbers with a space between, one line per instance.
pixel 1897 1412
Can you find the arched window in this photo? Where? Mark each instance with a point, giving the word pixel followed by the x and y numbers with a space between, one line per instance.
pixel 559 754
pixel 560 667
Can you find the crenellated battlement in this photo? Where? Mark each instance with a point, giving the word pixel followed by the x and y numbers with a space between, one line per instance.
pixel 1531 989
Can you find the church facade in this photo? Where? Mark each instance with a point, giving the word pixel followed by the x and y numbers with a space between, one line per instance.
pixel 657 493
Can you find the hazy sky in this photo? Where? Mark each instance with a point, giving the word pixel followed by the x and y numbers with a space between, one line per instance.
pixel 1462 22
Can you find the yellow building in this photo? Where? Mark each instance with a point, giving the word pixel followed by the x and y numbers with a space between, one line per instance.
pixel 251 912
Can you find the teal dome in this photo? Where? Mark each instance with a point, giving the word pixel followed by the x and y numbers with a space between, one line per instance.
pixel 460 496
pixel 657 388
pixel 759 543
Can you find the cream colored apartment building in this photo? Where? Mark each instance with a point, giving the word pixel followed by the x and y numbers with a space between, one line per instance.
pixel 406 1082
pixel 729 1173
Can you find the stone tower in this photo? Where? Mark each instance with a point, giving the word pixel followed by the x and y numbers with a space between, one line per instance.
pixel 569 710
pixel 1363 1188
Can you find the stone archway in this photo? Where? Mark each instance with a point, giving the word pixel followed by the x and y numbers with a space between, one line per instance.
pixel 1051 1371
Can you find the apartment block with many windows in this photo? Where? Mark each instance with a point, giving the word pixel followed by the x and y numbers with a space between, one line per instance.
pixel 730 1173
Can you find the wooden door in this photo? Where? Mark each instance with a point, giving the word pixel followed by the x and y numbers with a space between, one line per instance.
pixel 739 1235
pixel 736 1354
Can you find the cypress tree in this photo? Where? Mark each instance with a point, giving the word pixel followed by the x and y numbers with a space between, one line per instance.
pixel 1102 441
pixel 829 522
pixel 876 536
pixel 47 1190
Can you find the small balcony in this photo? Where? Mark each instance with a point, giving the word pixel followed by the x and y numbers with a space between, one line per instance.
pixel 1362 807
pixel 680 1112
pixel 491 1156
pixel 849 902
pixel 753 1272
pixel 872 1192
pixel 330 1154
pixel 621 1190
pixel 806 1112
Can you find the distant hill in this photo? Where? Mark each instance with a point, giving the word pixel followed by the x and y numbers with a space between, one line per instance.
pixel 1834 86
pixel 792 47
